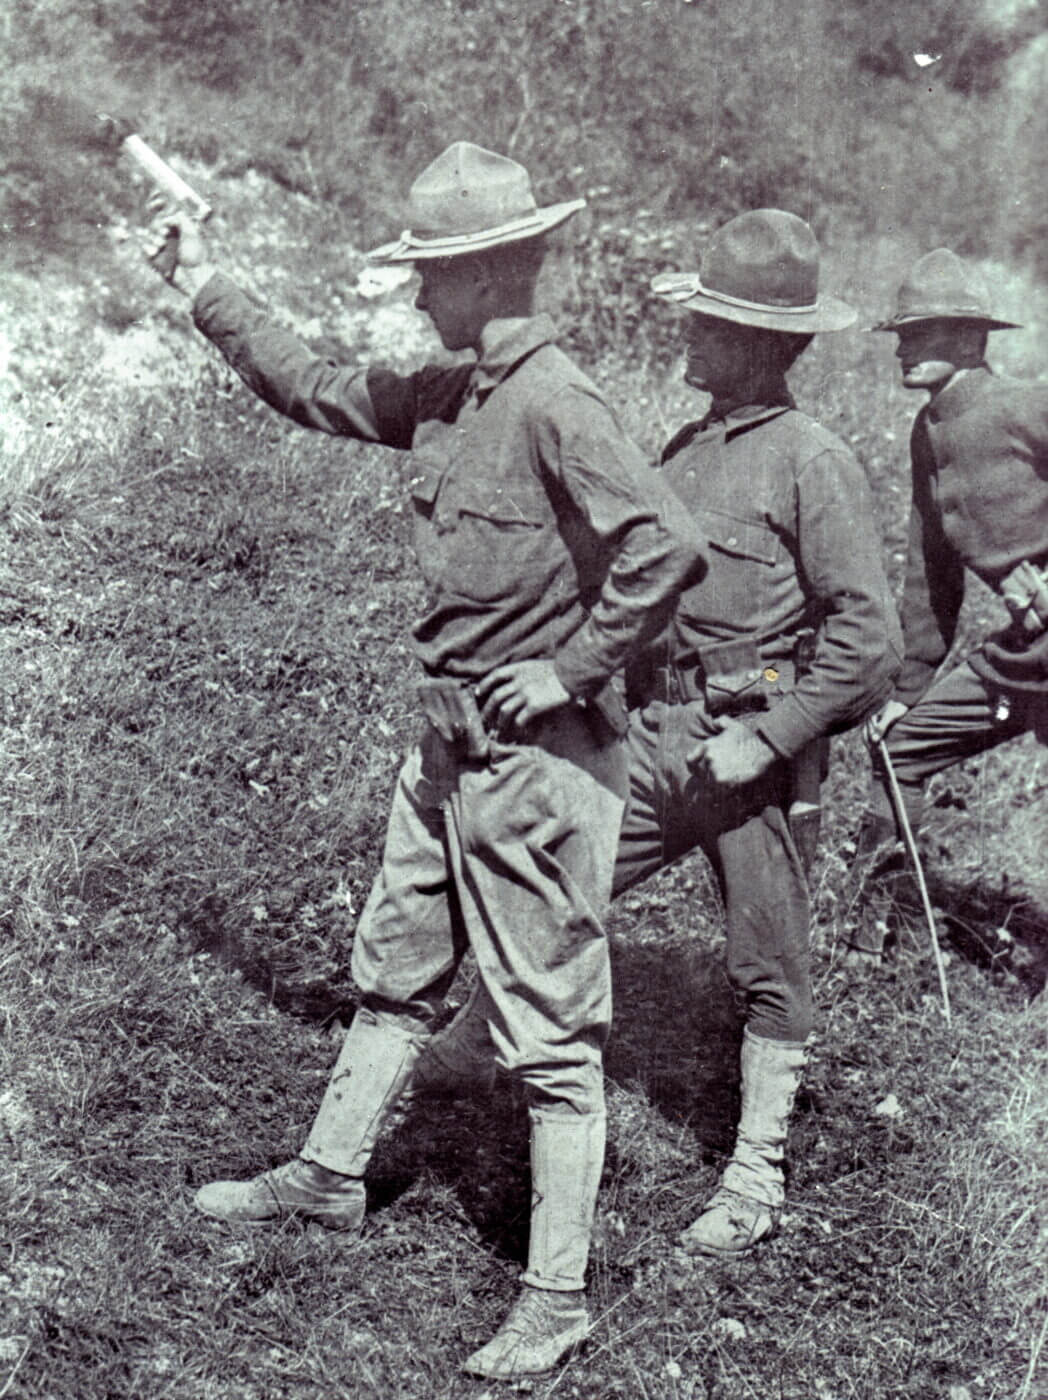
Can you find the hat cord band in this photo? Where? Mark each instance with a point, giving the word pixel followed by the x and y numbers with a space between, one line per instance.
pixel 532 218
pixel 754 305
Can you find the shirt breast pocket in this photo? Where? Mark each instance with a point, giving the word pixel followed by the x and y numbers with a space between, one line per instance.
pixel 738 538
pixel 499 538
pixel 430 548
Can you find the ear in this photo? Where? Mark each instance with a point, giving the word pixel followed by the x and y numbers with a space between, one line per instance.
pixel 485 280
pixel 975 343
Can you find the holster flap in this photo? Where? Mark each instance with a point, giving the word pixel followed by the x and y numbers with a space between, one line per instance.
pixel 451 708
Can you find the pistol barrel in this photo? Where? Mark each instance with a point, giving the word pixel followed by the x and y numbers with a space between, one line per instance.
pixel 167 179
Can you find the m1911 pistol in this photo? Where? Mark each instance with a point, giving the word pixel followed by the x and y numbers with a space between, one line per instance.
pixel 167 180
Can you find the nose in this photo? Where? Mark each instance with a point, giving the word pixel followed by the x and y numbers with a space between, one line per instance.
pixel 420 299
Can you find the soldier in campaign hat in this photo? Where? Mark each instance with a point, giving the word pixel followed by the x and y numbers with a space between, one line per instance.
pixel 979 462
pixel 791 636
pixel 550 550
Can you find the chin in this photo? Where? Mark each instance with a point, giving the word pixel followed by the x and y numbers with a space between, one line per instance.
pixel 926 376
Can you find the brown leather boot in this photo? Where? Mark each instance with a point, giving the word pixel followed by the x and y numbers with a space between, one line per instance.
pixel 868 901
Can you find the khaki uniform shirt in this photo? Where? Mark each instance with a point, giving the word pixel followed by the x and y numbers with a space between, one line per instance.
pixel 539 529
pixel 793 548
pixel 979 450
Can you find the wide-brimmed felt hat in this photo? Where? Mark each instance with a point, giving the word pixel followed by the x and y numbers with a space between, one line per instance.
pixel 942 287
pixel 760 269
pixel 468 200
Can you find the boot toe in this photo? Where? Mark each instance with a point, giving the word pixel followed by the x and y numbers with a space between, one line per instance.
pixel 297 1188
pixel 234 1200
pixel 541 1329
pixel 729 1225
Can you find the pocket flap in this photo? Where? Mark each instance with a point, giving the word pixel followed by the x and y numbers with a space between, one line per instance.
pixel 732 666
pixel 746 539
pixel 492 500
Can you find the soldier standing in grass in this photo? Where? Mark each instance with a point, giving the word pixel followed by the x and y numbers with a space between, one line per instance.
pixel 979 452
pixel 549 550
pixel 791 636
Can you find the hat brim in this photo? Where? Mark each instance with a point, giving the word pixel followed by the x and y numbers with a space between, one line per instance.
pixel 686 291
pixel 898 323
pixel 411 247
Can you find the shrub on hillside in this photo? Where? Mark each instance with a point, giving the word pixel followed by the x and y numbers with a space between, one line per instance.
pixel 692 111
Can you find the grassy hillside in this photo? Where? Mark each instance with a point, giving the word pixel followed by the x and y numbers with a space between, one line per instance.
pixel 206 690
pixel 689 110
pixel 206 687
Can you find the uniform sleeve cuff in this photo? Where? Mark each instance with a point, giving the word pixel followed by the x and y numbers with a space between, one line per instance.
pixel 218 289
pixel 787 728
pixel 579 674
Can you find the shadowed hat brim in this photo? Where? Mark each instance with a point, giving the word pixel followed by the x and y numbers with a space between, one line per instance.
pixel 918 318
pixel 416 247
pixel 686 290
pixel 943 287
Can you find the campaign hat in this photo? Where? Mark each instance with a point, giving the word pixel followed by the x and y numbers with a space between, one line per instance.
pixel 760 269
pixel 468 200
pixel 943 287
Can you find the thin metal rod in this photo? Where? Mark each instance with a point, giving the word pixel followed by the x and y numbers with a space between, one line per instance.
pixel 911 847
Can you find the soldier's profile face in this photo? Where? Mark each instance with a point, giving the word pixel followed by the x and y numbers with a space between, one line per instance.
pixel 451 296
pixel 719 355
pixel 929 352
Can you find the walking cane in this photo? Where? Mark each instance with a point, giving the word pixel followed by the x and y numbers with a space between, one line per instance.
pixel 911 847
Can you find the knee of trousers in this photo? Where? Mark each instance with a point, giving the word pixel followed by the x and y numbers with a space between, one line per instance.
pixel 413 1017
pixel 564 1088
pixel 777 994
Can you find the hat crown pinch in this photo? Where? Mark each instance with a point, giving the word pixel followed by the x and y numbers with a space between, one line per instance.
pixel 767 257
pixel 942 284
pixel 466 190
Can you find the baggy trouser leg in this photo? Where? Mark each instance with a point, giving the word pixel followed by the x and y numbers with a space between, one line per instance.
pixel 460 1059
pixel 550 1316
pixel 744 1207
pixel 372 1070
pixel 868 899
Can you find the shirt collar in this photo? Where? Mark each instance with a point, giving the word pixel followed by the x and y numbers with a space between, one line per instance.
pixel 750 414
pixel 505 342
pixel 959 393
